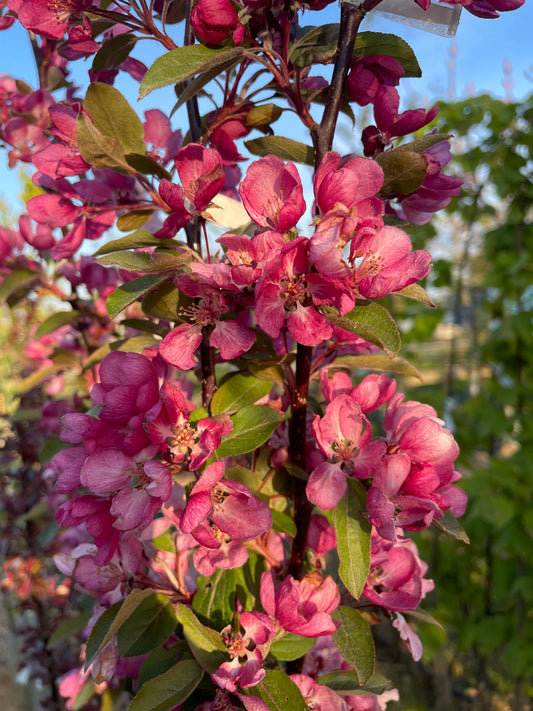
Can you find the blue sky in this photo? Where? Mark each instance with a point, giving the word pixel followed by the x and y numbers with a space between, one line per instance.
pixel 482 46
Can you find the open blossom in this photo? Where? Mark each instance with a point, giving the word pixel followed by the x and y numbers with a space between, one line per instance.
pixel 48 18
pixel 396 578
pixel 231 506
pixel 318 696
pixel 302 606
pixel 201 174
pixel 343 435
pixel 272 193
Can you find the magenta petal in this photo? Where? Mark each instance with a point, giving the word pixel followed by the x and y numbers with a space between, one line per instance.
pixel 198 508
pixel 326 485
pixel 107 470
pixel 178 346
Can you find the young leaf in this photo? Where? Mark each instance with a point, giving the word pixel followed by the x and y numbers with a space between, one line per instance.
pixel 133 220
pixel 451 525
pixel 239 390
pixel 146 165
pixel 368 43
pixel 284 148
pixel 68 628
pixel 317 46
pixel 145 262
pixel 96 148
pixel 148 627
pixel 113 117
pixel 422 144
pixel 252 426
pixel 355 642
pixel 370 321
pixel 352 530
pixel 416 293
pixel 16 279
pixel 291 646
pixel 279 692
pixel 404 171
pixel 185 62
pixel 205 643
pixel 132 291
pixel 164 302
pixel 55 321
pixel 248 580
pixel 141 238
pixel 114 51
pixel 168 690
pixel 214 602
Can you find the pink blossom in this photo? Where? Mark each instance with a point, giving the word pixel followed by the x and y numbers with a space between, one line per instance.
pixel 409 636
pixel 302 606
pixel 368 73
pixel 201 174
pixel 317 696
pixel 49 19
pixel 231 506
pixel 395 580
pixel 348 181
pixel 272 193
pixel 61 158
pixel 164 143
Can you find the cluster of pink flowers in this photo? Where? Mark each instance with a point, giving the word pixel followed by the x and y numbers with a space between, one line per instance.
pixel 165 494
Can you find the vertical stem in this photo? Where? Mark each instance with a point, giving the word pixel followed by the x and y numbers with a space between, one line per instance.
pixel 351 17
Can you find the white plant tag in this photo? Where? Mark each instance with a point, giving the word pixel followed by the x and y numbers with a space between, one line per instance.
pixel 437 19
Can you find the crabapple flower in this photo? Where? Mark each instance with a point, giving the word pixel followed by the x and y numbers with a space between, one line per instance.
pixel 49 19
pixel 317 696
pixel 368 73
pixel 288 292
pixel 301 606
pixel 272 193
pixel 231 506
pixel 343 435
pixel 396 578
pixel 201 173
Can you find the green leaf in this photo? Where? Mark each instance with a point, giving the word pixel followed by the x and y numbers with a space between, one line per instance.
pixel 168 690
pixel 141 324
pixel 68 628
pixel 133 219
pixel 147 166
pixel 147 262
pixel 283 523
pixel 141 238
pixel 368 43
pixel 347 683
pixel 416 293
pixel 451 525
pixel 355 642
pixel 376 361
pixel 279 692
pixel 284 148
pixel 165 301
pixel 55 321
pixel 370 321
pixel 148 626
pixel 165 542
pixel 248 580
pixel 214 601
pixel 404 171
pixel 15 280
pixel 352 530
pixel 252 426
pixel 422 144
pixel 205 643
pixel 262 115
pixel 97 149
pixel 291 646
pixel 108 624
pixel 132 291
pixel 113 117
pixel 239 390
pixel 191 88
pixel 315 45
pixel 186 62
pixel 114 51
pixel 160 661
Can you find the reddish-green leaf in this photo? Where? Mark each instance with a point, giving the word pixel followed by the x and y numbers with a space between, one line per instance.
pixel 284 148
pixel 149 626
pixel 168 690
pixel 370 321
